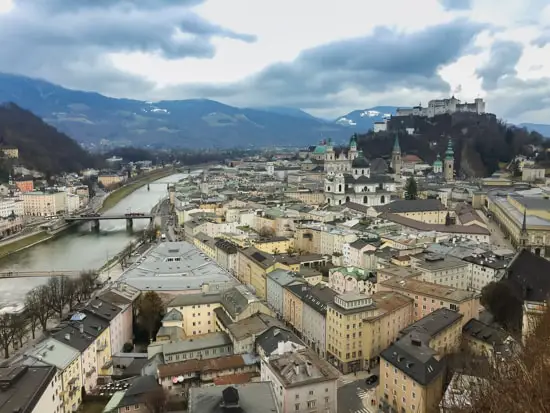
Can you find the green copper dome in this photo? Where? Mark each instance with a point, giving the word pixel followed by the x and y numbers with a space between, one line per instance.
pixel 449 153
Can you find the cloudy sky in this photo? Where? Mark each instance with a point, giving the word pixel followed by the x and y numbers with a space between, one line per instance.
pixel 325 56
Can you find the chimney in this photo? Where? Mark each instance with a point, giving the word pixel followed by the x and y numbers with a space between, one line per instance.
pixel 68 337
pixel 81 328
pixel 296 368
pixel 308 368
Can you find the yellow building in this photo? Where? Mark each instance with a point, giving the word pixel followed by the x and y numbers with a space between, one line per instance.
pixel 274 245
pixel 197 311
pixel 412 370
pixel 482 340
pixel 429 297
pixel 307 196
pixel 206 244
pixel 104 352
pixel 526 220
pixel 293 305
pixel 108 180
pixel 10 152
pixel 428 211
pixel 253 266
pixel 359 327
pixel 68 362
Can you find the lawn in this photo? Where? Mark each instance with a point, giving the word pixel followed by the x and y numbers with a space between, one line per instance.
pixel 22 243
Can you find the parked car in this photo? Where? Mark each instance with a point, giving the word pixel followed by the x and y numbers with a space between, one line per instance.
pixel 369 381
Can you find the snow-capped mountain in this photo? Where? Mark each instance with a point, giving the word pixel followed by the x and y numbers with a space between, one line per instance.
pixel 362 120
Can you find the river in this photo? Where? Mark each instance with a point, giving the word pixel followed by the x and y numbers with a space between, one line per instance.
pixel 80 248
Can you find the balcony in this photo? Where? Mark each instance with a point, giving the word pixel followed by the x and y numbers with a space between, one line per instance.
pixel 100 347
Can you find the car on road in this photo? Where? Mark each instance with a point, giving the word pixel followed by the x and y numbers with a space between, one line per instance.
pixel 369 381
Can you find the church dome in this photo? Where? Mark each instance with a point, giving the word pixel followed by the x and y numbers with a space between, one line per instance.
pixel 360 162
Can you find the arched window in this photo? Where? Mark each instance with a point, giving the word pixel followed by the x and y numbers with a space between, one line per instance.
pixel 328 201
pixel 365 200
pixel 356 172
pixel 340 188
pixel 347 199
pixel 328 188
pixel 339 202
pixel 383 199
pixel 537 251
pixel 362 172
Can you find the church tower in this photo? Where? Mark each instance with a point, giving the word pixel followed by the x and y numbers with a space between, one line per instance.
pixel 524 235
pixel 449 164
pixel 396 156
pixel 352 154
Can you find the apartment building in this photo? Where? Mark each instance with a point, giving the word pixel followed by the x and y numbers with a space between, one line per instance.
pixel 302 382
pixel 67 361
pixel 428 211
pixel 24 185
pixel 442 269
pixel 486 268
pixel 276 281
pixel 428 297
pixel 411 377
pixel 322 238
pixel 108 180
pixel 258 397
pixel 39 203
pixel 412 369
pixel 482 340
pixel 226 255
pixel 206 244
pixel 360 326
pixel 253 266
pixel 441 330
pixel 274 245
pixel 354 252
pixel 30 389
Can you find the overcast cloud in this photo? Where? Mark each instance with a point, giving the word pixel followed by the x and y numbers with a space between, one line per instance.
pixel 325 58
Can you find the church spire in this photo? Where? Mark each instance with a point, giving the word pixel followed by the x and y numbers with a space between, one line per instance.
pixel 524 223
pixel 396 147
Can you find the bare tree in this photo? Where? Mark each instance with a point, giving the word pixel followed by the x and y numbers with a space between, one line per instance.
pixel 88 280
pixel 7 333
pixel 58 294
pixel 37 307
pixel 20 325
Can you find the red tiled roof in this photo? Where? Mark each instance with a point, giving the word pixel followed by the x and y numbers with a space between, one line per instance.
pixel 195 365
pixel 240 378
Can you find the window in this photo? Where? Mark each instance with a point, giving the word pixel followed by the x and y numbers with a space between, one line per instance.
pixel 326 401
pixel 297 396
pixel 297 406
pixel 311 392
pixel 136 407
pixel 311 404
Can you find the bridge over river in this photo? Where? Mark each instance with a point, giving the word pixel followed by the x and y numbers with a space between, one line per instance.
pixel 27 274
pixel 96 218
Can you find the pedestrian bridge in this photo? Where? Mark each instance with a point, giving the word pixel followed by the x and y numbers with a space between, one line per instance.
pixel 104 217
pixel 27 274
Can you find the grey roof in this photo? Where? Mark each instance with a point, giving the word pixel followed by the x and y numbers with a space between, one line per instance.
pixel 53 352
pixel 22 387
pixel 173 315
pixel 416 205
pixel 236 300
pixel 184 300
pixel 175 266
pixel 431 325
pixel 70 334
pixel 253 398
pixel 373 179
pixel 317 297
pixel 139 387
pixel 227 246
pixel 253 326
pixel 269 340
pixel 360 162
pixel 436 262
pixel 194 343
pixel 531 275
pixel 483 332
pixel 415 359
pixel 102 309
pixel 283 277
pixel 378 166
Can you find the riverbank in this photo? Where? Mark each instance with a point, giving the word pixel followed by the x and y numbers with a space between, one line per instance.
pixel 25 242
pixel 119 194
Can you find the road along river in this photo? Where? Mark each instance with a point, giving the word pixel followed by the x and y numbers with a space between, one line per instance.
pixel 81 248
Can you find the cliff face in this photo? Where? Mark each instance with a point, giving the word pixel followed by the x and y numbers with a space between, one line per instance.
pixel 480 142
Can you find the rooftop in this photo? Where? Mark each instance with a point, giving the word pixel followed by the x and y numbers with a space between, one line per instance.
pixel 283 277
pixel 194 343
pixel 21 387
pixel 53 352
pixel 252 398
pixel 422 226
pixel 436 262
pixel 184 300
pixel 175 266
pixel 431 325
pixel 253 326
pixel 212 364
pixel 416 205
pixel 441 292
pixel 300 368
pixel 481 331
pixel 269 340
pixel 415 359
pixel 531 274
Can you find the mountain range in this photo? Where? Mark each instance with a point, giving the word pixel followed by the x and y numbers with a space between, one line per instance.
pixel 94 119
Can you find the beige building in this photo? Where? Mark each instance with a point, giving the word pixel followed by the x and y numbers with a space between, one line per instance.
pixel 533 174
pixel 197 311
pixel 429 211
pixel 482 340
pixel 252 268
pixel 10 152
pixel 322 238
pixel 429 297
pixel 38 203
pixel 444 270
pixel 274 245
pixel 360 326
pixel 206 244
pixel 108 180
pixel 307 196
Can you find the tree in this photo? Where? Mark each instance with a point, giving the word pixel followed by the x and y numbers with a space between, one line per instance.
pixel 149 312
pixel 7 332
pixel 88 281
pixel 59 294
pixel 20 325
pixel 127 348
pixel 411 189
pixel 505 306
pixel 517 383
pixel 37 306
pixel 266 232
pixel 156 401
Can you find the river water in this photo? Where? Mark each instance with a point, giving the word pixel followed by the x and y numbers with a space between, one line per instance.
pixel 80 248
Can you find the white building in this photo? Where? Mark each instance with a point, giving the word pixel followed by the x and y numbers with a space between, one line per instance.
pixel 381 126
pixel 351 280
pixel 275 283
pixel 443 106
pixel 443 270
pixel 485 268
pixel 302 382
pixel 354 252
pixel 72 204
